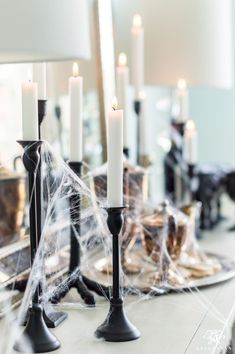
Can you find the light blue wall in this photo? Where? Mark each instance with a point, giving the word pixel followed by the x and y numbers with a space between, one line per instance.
pixel 214 113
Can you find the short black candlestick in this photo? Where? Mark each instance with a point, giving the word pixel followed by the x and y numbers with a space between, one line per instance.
pixel 137 109
pixel 116 327
pixel 36 331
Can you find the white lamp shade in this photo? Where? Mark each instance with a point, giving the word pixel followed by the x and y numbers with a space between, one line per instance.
pixel 190 39
pixel 59 72
pixel 43 30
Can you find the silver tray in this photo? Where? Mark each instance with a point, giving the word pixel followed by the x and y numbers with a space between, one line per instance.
pixel 139 281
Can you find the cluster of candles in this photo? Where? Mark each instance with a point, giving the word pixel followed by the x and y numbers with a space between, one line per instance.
pixel 117 134
pixel 34 91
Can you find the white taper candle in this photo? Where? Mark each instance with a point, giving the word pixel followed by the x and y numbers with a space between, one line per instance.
pixel 30 111
pixel 137 68
pixel 144 126
pixel 39 76
pixel 115 157
pixel 76 115
pixel 190 146
pixel 182 100
pixel 122 72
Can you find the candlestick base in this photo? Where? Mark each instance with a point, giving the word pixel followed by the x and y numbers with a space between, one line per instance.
pixel 36 333
pixel 117 327
pixel 52 319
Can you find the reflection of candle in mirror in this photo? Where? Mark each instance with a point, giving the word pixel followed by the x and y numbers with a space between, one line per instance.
pixel 30 110
pixel 76 114
pixel 122 72
pixel 182 100
pixel 190 146
pixel 143 126
pixel 137 67
pixel 115 156
pixel 39 76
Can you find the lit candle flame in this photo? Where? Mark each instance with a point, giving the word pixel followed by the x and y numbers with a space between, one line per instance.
pixel 142 95
pixel 190 125
pixel 115 103
pixel 75 69
pixel 182 84
pixel 137 20
pixel 122 59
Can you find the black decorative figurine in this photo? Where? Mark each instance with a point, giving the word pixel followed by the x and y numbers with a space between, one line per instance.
pixel 36 331
pixel 116 327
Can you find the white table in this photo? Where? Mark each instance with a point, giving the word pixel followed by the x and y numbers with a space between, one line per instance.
pixel 173 324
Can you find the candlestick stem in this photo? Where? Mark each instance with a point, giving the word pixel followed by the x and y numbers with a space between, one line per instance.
pixel 75 230
pixel 75 279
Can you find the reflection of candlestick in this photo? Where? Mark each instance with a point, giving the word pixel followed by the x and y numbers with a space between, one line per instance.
pixel 122 93
pixel 190 149
pixel 115 157
pixel 30 111
pixel 76 110
pixel 137 54
pixel 182 98
pixel 39 76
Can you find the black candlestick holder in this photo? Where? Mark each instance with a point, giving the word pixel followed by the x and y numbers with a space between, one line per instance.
pixel 36 331
pixel 126 152
pixel 52 318
pixel 137 109
pixel 75 279
pixel 116 327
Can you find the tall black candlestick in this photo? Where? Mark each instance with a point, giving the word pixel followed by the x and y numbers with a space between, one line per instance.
pixel 116 327
pixel 36 331
pixel 52 318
